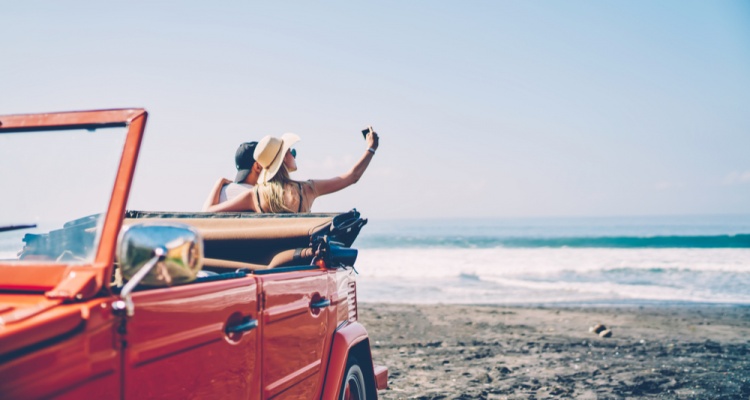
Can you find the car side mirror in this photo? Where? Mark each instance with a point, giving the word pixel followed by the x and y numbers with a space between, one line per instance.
pixel 157 255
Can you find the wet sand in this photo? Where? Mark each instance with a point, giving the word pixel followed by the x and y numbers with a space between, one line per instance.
pixel 493 352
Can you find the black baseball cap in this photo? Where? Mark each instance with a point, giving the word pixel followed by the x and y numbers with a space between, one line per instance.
pixel 244 160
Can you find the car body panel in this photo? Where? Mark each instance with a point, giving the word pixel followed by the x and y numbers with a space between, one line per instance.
pixel 294 332
pixel 177 341
pixel 79 358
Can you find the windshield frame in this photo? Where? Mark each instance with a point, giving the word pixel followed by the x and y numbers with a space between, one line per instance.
pixel 41 276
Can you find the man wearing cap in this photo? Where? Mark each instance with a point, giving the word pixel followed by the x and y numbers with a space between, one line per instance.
pixel 248 172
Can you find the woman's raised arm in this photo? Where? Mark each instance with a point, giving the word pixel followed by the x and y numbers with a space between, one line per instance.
pixel 326 186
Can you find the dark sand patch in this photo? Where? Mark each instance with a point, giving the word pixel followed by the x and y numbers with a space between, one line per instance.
pixel 492 352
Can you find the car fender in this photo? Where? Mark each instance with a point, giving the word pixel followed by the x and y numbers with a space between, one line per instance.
pixel 344 340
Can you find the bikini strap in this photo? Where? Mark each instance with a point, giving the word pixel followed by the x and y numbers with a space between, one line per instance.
pixel 257 197
pixel 299 208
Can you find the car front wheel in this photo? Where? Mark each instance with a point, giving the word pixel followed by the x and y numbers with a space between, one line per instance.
pixel 354 382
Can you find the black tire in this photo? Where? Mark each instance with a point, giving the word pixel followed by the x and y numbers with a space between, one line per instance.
pixel 354 386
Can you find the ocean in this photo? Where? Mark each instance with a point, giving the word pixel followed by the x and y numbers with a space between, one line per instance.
pixel 556 261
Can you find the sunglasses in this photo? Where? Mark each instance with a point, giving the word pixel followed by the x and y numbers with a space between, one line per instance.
pixel 294 152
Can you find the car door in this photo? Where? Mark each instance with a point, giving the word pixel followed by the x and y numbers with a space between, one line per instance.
pixel 294 323
pixel 193 341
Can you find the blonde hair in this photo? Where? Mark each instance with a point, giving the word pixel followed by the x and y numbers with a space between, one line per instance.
pixel 273 191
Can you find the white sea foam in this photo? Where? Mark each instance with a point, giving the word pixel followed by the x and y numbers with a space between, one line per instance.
pixel 544 275
pixel 504 261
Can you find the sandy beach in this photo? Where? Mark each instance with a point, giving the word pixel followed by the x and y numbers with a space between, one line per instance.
pixel 495 352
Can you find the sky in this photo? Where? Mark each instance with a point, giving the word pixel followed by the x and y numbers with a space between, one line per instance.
pixel 484 108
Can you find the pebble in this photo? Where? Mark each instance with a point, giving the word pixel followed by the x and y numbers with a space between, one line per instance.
pixel 605 333
pixel 482 378
pixel 597 328
pixel 504 370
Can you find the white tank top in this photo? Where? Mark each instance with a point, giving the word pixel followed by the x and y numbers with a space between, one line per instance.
pixel 232 190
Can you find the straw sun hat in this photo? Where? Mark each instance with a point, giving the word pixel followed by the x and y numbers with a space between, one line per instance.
pixel 270 152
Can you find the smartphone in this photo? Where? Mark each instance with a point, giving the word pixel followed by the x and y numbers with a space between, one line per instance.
pixel 366 131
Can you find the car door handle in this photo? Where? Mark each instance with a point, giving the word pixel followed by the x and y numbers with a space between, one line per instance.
pixel 243 327
pixel 322 303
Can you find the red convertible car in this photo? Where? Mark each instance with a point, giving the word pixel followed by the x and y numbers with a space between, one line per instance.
pixel 98 301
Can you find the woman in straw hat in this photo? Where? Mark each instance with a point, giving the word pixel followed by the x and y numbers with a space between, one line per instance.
pixel 276 192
